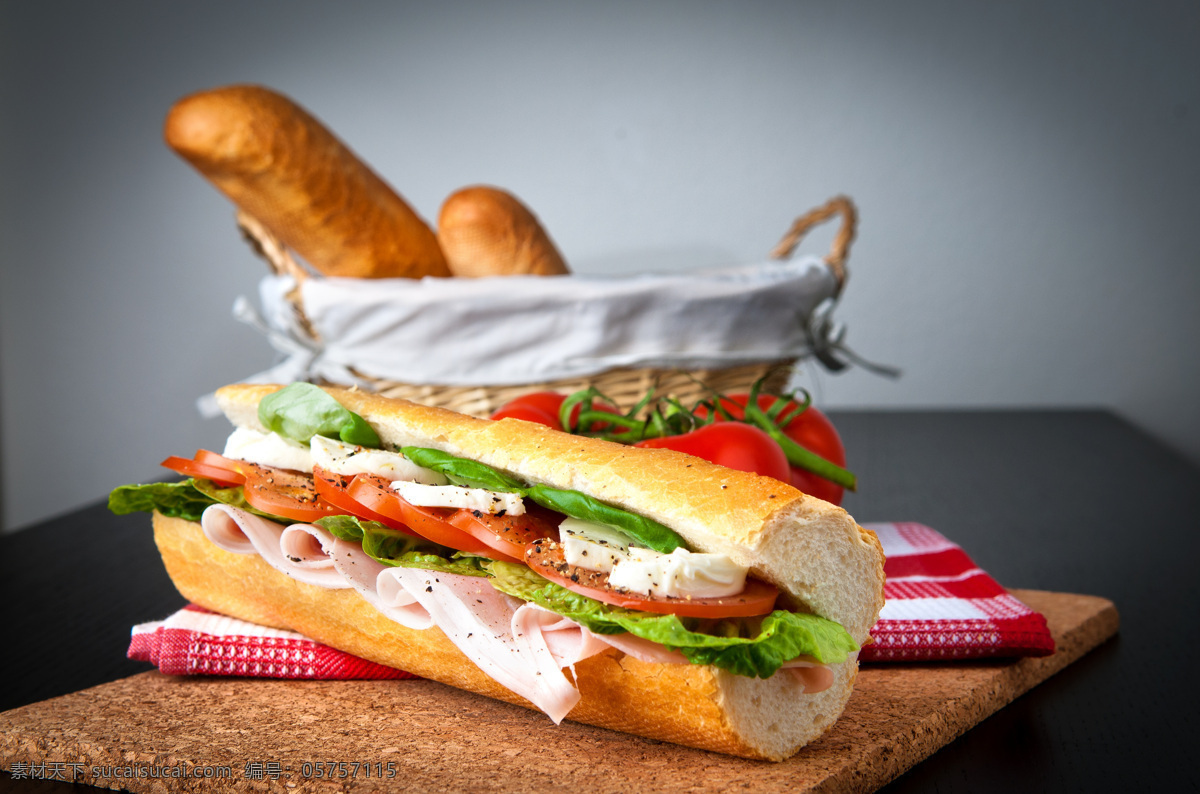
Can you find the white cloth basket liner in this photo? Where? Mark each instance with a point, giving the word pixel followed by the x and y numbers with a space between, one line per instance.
pixel 509 330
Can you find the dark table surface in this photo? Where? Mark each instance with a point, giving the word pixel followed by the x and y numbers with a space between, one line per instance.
pixel 1069 501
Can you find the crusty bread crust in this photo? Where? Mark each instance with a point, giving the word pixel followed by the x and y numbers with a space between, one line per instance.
pixel 282 166
pixel 817 555
pixel 692 705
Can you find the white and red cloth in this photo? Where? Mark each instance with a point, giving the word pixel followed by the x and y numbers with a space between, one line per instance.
pixel 938 606
pixel 195 641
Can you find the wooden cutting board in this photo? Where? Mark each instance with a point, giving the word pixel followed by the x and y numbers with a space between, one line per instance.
pixel 419 735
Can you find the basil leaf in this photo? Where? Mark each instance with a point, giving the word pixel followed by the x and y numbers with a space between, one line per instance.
pixel 462 471
pixel 301 410
pixel 175 499
pixel 644 531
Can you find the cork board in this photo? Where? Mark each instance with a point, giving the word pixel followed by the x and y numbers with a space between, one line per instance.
pixel 260 735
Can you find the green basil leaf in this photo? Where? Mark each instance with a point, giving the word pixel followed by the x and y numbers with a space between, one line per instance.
pixel 461 471
pixel 644 531
pixel 301 410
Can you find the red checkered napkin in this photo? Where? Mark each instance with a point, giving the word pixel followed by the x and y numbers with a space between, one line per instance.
pixel 195 641
pixel 939 605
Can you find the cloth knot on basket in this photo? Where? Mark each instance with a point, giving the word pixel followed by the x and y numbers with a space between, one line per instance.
pixel 473 344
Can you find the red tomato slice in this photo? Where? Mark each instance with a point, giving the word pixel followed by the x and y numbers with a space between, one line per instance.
pixel 211 458
pixel 334 488
pixel 731 444
pixel 508 534
pixel 285 493
pixel 193 468
pixel 758 598
pixel 431 523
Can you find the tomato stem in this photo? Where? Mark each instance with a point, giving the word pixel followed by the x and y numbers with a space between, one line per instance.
pixel 659 417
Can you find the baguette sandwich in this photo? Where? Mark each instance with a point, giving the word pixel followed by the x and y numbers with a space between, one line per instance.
pixel 641 590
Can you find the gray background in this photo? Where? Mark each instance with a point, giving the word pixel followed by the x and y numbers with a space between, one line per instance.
pixel 1027 175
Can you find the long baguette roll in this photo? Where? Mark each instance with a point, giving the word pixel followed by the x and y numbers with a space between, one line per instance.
pixel 280 164
pixel 821 560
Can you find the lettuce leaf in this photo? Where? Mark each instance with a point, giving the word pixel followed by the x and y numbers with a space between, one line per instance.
pixel 300 411
pixel 754 648
pixel 392 547
pixel 183 499
pixel 175 499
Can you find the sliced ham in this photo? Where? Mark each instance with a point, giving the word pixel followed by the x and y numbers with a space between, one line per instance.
pixel 242 532
pixel 814 676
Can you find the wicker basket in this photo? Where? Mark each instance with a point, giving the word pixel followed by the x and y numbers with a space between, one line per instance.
pixel 624 386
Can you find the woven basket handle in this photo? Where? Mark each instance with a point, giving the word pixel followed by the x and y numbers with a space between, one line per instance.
pixel 281 261
pixel 839 252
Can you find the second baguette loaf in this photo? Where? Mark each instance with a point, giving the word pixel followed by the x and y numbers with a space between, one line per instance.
pixel 282 166
pixel 486 231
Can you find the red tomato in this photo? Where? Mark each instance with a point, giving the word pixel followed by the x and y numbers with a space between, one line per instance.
pixel 758 598
pixel 543 407
pixel 508 534
pixel 530 413
pixel 210 458
pixel 194 468
pixel 285 493
pixel 431 523
pixel 810 429
pixel 333 488
pixel 732 444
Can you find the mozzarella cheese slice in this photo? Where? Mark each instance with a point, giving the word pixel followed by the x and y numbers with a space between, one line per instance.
pixel 268 449
pixel 494 502
pixel 681 573
pixel 349 459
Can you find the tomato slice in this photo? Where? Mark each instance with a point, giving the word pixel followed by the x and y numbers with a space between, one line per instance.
pixel 194 468
pixel 547 559
pixel 334 488
pixel 210 458
pixel 285 493
pixel 432 523
pixel 508 534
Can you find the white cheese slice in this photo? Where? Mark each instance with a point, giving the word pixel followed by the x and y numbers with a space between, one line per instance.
pixel 268 449
pixel 349 459
pixel 681 574
pixel 495 502
pixel 597 547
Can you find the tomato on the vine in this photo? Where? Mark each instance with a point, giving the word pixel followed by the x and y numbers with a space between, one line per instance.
pixel 731 444
pixel 810 429
pixel 544 407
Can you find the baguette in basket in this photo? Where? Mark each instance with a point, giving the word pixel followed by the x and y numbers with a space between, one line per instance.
pixel 641 590
pixel 280 165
